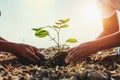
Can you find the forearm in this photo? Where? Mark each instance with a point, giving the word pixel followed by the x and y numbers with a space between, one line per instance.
pixel 6 46
pixel 110 26
pixel 110 41
pixel 105 33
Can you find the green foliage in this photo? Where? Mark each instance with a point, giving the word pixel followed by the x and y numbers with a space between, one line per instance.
pixel 64 21
pixel 40 32
pixel 64 26
pixel 71 40
pixel 60 24
pixel 36 29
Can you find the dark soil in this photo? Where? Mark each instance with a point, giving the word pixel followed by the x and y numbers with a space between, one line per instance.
pixel 105 65
pixel 57 60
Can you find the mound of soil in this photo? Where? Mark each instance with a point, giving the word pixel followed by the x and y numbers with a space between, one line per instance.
pixel 105 65
pixel 57 60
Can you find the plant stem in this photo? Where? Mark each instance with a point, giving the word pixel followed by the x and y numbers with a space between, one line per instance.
pixel 58 36
pixel 64 45
pixel 53 39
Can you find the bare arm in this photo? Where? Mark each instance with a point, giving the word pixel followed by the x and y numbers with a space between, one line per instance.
pixel 109 41
pixel 109 38
pixel 110 25
pixel 25 52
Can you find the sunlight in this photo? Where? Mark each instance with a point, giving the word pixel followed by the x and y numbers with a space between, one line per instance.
pixel 36 3
pixel 38 6
pixel 92 12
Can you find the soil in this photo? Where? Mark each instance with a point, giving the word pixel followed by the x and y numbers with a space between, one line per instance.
pixel 104 65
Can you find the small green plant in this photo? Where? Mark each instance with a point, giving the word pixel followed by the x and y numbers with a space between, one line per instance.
pixel 60 24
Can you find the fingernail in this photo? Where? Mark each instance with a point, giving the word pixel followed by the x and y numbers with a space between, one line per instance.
pixel 66 60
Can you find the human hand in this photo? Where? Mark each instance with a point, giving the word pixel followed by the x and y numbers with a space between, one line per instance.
pixel 78 53
pixel 28 53
pixel 2 39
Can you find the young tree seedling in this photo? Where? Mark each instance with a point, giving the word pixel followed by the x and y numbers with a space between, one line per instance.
pixel 60 24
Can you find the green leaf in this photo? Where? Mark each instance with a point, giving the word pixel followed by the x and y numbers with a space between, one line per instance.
pixel 64 21
pixel 58 23
pixel 64 26
pixel 36 29
pixel 71 40
pixel 41 33
pixel 55 26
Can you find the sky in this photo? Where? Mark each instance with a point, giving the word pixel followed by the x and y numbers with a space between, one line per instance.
pixel 20 16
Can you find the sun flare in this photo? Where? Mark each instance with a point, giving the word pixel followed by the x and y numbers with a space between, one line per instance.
pixel 92 12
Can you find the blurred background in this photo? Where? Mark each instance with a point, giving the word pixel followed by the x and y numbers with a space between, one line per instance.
pixel 18 17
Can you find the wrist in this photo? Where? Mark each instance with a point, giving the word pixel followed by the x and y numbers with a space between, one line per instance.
pixel 7 46
pixel 94 46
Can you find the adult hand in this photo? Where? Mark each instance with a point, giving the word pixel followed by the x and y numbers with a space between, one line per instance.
pixel 79 52
pixel 28 53
pixel 2 39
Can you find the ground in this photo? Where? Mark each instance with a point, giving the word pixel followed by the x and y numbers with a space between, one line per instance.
pixel 105 65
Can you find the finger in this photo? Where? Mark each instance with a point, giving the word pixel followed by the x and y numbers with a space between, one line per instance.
pixel 75 60
pixel 33 57
pixel 73 51
pixel 36 54
pixel 31 60
pixel 35 49
pixel 27 59
pixel 40 55
pixel 71 57
pixel 70 50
